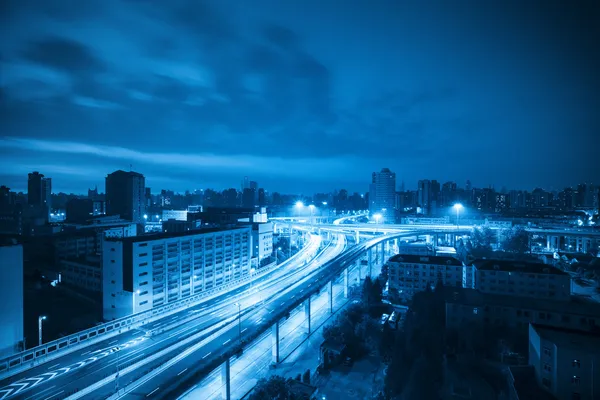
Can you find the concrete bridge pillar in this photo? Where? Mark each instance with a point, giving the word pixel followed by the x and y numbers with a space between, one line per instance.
pixel 226 380
pixel 346 283
pixel 359 270
pixel 307 315
pixel 357 237
pixel 370 261
pixel 330 296
pixel 275 342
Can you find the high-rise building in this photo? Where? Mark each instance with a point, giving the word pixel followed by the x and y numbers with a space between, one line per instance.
pixel 126 195
pixel 39 193
pixel 11 285
pixel 382 194
pixel 424 195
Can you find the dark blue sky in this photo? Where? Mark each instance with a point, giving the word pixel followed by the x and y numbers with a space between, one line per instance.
pixel 302 95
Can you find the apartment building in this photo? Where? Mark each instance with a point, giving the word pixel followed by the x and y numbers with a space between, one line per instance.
pixel 147 271
pixel 566 361
pixel 518 278
pixel 412 273
pixel 471 308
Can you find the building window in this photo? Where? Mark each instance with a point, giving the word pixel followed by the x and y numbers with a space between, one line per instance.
pixel 143 254
pixel 547 351
pixel 575 380
pixel 144 302
pixel 576 364
pixel 475 310
pixel 547 367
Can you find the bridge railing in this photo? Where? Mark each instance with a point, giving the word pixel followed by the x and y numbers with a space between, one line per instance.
pixel 29 358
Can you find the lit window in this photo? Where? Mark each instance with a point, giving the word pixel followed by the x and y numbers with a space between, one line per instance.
pixel 475 310
pixel 575 380
pixel 576 364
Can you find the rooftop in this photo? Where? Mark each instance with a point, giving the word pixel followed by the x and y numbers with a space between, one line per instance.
pixel 574 338
pixel 419 259
pixel 474 298
pixel 168 235
pixel 517 266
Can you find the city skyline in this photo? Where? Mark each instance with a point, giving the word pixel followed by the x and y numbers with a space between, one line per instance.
pixel 202 93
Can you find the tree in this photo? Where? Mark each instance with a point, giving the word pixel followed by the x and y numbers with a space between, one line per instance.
pixel 516 240
pixel 482 239
pixel 275 388
pixel 306 377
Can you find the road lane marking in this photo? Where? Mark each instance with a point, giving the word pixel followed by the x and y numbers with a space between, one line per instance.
pixel 182 372
pixel 243 330
pixel 54 395
pixel 227 341
pixel 209 353
pixel 152 392
pixel 54 366
pixel 114 341
pixel 40 393
pixel 87 352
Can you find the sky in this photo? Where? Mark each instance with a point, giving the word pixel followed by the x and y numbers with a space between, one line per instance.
pixel 300 95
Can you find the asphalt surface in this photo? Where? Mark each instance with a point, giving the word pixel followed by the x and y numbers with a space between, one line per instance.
pixel 65 375
pixel 178 379
pixel 187 367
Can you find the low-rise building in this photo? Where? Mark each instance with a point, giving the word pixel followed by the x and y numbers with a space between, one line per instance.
pixel 262 241
pixel 566 361
pixel 519 278
pixel 83 272
pixel 470 309
pixel 410 273
pixel 143 272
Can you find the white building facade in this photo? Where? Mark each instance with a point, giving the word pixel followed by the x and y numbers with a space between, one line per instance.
pixel 143 272
pixel 517 278
pixel 411 273
pixel 262 240
pixel 11 286
pixel 566 361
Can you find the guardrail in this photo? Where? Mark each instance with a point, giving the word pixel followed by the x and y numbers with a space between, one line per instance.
pixel 30 358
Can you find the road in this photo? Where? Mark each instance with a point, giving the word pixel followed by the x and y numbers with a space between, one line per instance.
pixel 262 310
pixel 74 371
pixel 184 374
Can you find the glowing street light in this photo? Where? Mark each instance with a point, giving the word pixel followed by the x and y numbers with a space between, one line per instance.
pixel 377 218
pixel 40 319
pixel 145 216
pixel 299 204
pixel 457 207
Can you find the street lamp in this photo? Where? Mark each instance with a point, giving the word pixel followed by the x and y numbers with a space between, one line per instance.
pixel 299 204
pixel 458 207
pixel 312 208
pixel 133 305
pixel 239 320
pixel 40 319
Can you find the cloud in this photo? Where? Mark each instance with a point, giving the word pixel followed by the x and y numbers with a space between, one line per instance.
pixel 63 54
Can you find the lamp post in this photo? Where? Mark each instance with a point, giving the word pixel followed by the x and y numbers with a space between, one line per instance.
pixel 312 209
pixel 239 320
pixel 457 207
pixel 133 305
pixel 40 319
